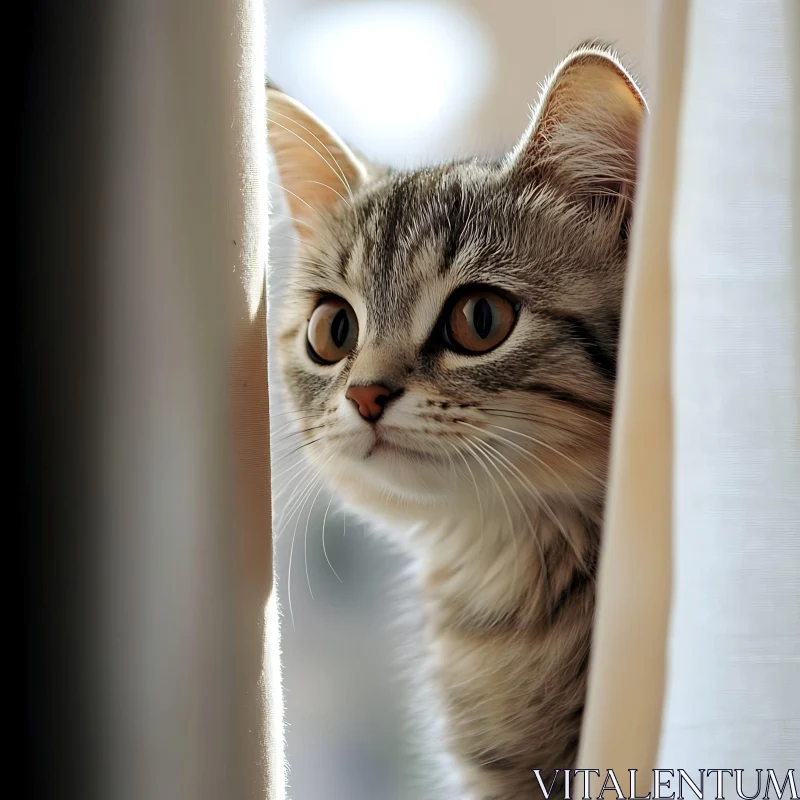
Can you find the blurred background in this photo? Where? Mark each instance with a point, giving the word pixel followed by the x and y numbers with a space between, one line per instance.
pixel 407 82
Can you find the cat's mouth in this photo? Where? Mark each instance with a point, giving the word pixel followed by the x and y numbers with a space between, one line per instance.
pixel 385 447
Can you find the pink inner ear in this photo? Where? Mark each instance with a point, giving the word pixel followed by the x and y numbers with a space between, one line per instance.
pixel 317 170
pixel 585 133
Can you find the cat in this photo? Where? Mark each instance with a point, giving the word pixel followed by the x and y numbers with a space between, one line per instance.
pixel 448 346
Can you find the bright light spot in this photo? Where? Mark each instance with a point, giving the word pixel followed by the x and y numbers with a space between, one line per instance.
pixel 393 78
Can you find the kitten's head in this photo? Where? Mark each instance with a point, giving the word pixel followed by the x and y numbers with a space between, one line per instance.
pixel 450 333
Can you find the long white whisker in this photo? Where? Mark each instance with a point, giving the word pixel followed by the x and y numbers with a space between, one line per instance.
pixel 295 484
pixel 298 491
pixel 305 536
pixel 532 456
pixel 513 469
pixel 296 221
pixel 536 460
pixel 475 484
pixel 324 550
pixel 446 452
pixel 549 447
pixel 283 456
pixel 299 418
pixel 280 435
pixel 305 203
pixel 312 485
pixel 330 188
pixel 321 414
pixel 341 174
pixel 537 417
pixel 295 475
pixel 291 557
pixel 472 445
pixel 525 513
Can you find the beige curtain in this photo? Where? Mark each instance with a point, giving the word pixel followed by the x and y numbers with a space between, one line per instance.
pixel 189 618
pixel 697 652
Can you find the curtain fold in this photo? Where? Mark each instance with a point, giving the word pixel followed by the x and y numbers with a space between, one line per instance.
pixel 260 728
pixel 188 619
pixel 733 695
pixel 260 700
pixel 699 587
pixel 626 678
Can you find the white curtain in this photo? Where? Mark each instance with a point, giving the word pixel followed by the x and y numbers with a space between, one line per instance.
pixel 733 693
pixel 697 655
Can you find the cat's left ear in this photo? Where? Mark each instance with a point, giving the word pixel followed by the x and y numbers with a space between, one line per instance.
pixel 584 136
pixel 317 169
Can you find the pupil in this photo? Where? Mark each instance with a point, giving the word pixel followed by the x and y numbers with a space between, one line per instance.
pixel 482 318
pixel 340 327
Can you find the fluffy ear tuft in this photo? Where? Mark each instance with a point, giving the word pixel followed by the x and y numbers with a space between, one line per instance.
pixel 584 135
pixel 317 169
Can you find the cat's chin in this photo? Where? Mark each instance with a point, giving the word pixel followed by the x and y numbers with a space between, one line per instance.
pixel 391 470
pixel 390 453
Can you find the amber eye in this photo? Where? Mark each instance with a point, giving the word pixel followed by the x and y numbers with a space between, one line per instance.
pixel 332 331
pixel 479 320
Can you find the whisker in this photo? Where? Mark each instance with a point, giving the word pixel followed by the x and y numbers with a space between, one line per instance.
pixel 472 445
pixel 324 550
pixel 525 513
pixel 305 536
pixel 307 204
pixel 297 411
pixel 295 258
pixel 532 456
pixel 291 557
pixel 294 535
pixel 295 475
pixel 279 435
pixel 475 483
pixel 341 175
pixel 549 447
pixel 278 477
pixel 536 460
pixel 300 502
pixel 299 447
pixel 541 499
pixel 291 504
pixel 432 440
pixel 542 421
pixel 604 423
pixel 330 188
pixel 303 223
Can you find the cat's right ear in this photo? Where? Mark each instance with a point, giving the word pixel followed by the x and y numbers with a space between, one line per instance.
pixel 317 169
pixel 584 135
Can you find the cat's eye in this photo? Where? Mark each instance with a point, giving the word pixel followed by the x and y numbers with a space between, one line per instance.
pixel 332 331
pixel 478 321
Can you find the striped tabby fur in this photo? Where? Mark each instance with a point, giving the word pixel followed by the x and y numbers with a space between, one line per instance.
pixel 498 488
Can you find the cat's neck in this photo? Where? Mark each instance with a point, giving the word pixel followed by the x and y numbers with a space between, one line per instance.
pixel 508 611
pixel 482 561
pixel 505 563
pixel 508 597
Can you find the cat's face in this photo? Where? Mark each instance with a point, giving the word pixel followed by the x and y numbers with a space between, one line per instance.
pixel 449 335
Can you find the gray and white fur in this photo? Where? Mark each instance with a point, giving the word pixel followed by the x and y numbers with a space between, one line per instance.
pixel 490 467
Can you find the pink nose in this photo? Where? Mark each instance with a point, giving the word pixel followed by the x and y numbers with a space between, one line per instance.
pixel 370 400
